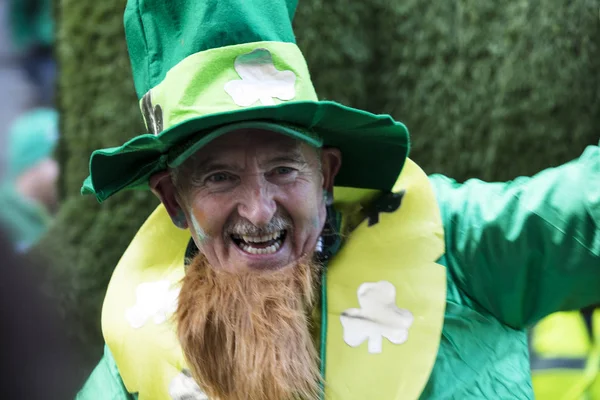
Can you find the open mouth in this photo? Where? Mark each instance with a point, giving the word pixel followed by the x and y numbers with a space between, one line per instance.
pixel 266 244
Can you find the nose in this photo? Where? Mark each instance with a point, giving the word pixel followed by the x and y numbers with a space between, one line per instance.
pixel 257 203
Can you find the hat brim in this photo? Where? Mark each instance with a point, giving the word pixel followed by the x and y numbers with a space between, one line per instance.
pixel 180 153
pixel 374 147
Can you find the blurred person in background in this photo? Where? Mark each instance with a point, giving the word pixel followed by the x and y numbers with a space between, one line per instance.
pixel 565 355
pixel 13 79
pixel 32 27
pixel 28 195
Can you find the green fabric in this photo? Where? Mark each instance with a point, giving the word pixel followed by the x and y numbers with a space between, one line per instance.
pixel 178 158
pixel 32 23
pixel 378 143
pixel 515 252
pixel 105 383
pixel 206 83
pixel 33 136
pixel 24 220
pixel 539 238
pixel 188 82
pixel 162 33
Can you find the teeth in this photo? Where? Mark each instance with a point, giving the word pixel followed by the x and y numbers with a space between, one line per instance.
pixel 254 250
pixel 247 241
pixel 260 239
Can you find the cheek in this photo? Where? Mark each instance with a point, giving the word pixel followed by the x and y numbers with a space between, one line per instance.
pixel 198 224
pixel 309 211
pixel 318 216
pixel 204 226
pixel 322 215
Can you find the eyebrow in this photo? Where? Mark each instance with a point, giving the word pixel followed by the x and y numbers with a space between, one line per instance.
pixel 210 164
pixel 294 156
pixel 285 153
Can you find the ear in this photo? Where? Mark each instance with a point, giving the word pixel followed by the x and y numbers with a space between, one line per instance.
pixel 162 187
pixel 331 161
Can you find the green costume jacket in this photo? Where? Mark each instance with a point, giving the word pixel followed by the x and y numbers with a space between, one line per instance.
pixel 514 253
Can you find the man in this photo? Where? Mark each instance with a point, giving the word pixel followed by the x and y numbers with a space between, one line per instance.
pixel 28 190
pixel 298 253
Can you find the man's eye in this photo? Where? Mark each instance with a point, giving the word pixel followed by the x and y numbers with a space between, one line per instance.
pixel 284 170
pixel 218 177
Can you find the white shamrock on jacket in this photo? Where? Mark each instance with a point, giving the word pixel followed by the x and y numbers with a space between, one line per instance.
pixel 260 80
pixel 377 318
pixel 156 300
pixel 184 387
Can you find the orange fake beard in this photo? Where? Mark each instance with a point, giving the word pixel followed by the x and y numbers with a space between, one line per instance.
pixel 247 335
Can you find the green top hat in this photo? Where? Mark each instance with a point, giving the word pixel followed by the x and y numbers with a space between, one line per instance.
pixel 205 68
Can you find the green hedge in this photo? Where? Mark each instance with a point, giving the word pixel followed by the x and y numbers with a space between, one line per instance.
pixel 487 89
pixel 98 109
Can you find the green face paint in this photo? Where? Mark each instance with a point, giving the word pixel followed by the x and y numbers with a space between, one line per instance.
pixel 179 219
pixel 327 197
pixel 200 234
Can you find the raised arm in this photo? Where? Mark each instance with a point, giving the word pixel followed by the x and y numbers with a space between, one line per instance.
pixel 530 247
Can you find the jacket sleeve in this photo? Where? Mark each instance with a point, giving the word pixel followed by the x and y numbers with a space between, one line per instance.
pixel 105 382
pixel 526 248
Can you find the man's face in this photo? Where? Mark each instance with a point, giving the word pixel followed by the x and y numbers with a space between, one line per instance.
pixel 254 199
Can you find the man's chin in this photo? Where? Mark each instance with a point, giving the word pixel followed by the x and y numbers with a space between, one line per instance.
pixel 246 334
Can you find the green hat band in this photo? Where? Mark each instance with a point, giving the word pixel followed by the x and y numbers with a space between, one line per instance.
pixel 228 79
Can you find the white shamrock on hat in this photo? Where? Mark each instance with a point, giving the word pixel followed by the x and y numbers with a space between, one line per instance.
pixel 184 387
pixel 155 300
pixel 377 318
pixel 260 80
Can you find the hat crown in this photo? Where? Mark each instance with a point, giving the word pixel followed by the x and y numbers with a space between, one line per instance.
pixel 162 33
